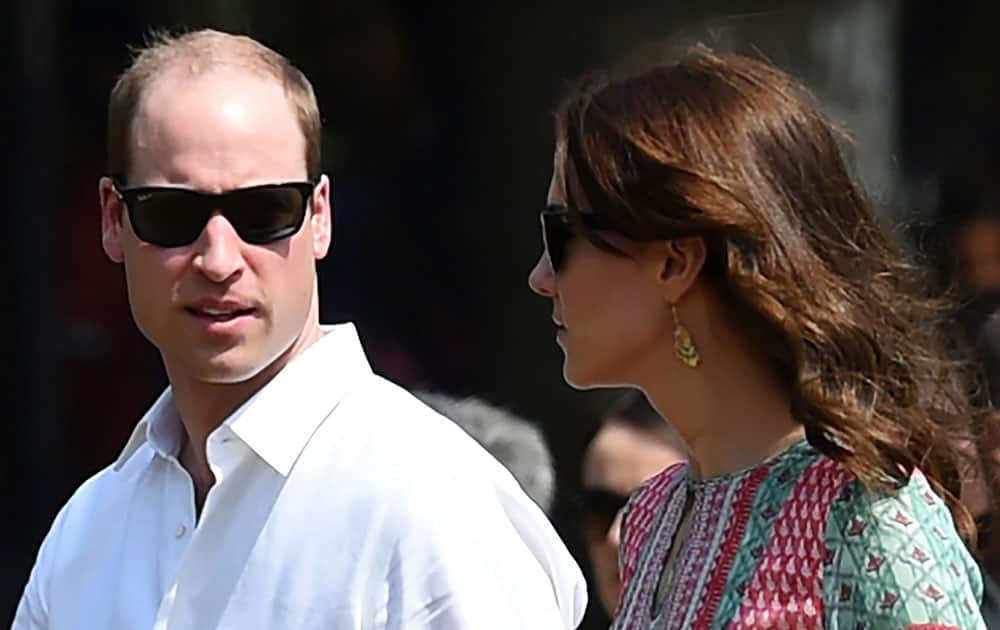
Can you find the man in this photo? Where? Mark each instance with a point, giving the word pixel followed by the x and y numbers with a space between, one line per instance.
pixel 632 444
pixel 277 483
pixel 515 442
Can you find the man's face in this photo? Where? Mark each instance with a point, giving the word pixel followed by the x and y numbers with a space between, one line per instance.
pixel 220 310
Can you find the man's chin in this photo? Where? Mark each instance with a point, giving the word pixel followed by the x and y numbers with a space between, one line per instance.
pixel 227 368
pixel 230 375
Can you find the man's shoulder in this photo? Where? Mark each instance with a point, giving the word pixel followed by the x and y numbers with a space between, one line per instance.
pixel 402 423
pixel 85 515
pixel 114 483
pixel 409 448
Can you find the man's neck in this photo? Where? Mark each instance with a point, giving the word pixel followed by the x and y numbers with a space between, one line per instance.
pixel 203 407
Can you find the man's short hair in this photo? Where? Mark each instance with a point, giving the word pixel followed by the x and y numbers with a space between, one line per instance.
pixel 196 53
pixel 513 441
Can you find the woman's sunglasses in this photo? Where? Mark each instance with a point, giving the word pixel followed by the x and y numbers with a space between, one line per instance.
pixel 558 230
pixel 175 217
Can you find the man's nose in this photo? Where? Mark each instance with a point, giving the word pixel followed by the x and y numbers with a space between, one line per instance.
pixel 218 250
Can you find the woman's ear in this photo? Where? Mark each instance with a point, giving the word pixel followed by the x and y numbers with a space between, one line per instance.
pixel 681 262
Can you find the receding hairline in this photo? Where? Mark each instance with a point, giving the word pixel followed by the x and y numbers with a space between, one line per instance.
pixel 203 50
pixel 199 54
pixel 167 56
pixel 182 79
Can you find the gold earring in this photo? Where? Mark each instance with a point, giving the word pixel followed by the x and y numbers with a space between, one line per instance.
pixel 683 344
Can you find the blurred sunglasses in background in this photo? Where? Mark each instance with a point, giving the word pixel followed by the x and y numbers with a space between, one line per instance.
pixel 600 508
pixel 175 217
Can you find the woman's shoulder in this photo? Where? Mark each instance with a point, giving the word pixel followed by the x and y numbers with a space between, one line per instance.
pixel 913 514
pixel 897 558
pixel 858 507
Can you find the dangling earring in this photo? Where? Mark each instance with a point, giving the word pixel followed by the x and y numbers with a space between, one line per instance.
pixel 683 344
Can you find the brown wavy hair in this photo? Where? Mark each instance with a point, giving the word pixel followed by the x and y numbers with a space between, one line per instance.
pixel 734 150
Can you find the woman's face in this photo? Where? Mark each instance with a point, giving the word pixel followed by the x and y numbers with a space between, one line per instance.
pixel 608 310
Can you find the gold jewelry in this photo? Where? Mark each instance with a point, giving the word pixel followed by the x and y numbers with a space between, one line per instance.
pixel 684 346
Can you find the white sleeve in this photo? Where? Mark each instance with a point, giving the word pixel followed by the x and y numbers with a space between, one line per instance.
pixel 483 561
pixel 33 611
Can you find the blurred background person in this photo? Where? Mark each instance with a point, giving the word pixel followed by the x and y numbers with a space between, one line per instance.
pixel 514 441
pixel 632 444
pixel 983 491
pixel 976 250
pixel 981 484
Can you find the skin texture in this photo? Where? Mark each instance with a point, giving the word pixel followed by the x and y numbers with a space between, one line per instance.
pixel 214 132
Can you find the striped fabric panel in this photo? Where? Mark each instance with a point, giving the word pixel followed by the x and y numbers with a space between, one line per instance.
pixel 639 518
pixel 740 515
pixel 768 505
pixel 786 589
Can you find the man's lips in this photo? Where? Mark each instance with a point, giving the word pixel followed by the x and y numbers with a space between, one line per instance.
pixel 220 310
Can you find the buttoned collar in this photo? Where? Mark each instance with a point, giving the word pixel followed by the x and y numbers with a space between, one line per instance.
pixel 276 422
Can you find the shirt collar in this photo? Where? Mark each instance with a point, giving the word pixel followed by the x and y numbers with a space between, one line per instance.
pixel 277 422
pixel 160 426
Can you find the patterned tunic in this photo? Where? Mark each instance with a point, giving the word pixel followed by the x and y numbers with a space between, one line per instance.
pixel 795 542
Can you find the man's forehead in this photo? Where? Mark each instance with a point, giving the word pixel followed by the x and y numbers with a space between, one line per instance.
pixel 184 78
pixel 231 93
pixel 236 123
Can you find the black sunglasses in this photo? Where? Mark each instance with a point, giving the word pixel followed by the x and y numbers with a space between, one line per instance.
pixel 558 231
pixel 600 508
pixel 174 217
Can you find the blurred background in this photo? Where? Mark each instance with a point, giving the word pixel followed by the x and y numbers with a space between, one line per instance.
pixel 438 137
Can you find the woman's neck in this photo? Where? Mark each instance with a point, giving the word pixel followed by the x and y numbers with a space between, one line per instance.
pixel 732 411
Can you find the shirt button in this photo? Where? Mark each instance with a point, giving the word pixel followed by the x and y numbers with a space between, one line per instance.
pixel 181 530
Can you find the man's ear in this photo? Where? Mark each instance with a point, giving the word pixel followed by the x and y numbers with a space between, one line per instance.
pixel 682 261
pixel 321 218
pixel 112 215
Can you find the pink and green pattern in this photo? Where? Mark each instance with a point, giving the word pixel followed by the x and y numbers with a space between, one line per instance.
pixel 795 542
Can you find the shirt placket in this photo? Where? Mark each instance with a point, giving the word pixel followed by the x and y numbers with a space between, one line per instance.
pixel 177 530
pixel 222 455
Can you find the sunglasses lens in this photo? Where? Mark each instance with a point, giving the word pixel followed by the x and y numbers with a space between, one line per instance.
pixel 555 236
pixel 267 214
pixel 601 507
pixel 168 218
pixel 176 217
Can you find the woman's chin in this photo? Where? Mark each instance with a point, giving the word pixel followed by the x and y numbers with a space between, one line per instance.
pixel 579 377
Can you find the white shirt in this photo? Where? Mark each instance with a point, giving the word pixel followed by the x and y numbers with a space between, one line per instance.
pixel 341 502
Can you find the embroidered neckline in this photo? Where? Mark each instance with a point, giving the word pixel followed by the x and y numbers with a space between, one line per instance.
pixel 792 452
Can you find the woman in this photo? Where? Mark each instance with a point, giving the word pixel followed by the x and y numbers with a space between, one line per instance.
pixel 705 243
